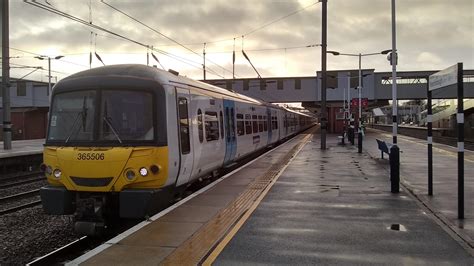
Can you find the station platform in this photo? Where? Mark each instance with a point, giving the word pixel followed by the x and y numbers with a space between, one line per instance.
pixel 295 205
pixel 22 148
pixel 414 177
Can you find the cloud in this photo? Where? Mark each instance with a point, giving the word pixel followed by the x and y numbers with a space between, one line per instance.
pixel 429 35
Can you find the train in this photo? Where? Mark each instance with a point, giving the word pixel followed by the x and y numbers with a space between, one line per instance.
pixel 124 140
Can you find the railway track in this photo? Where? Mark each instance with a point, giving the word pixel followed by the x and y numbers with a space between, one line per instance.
pixel 18 197
pixel 468 144
pixel 20 207
pixel 450 141
pixel 21 180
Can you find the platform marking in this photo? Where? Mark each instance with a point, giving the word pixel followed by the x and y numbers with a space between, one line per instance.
pixel 220 247
pixel 142 224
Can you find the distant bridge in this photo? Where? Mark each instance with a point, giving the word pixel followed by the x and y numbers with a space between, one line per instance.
pixel 377 87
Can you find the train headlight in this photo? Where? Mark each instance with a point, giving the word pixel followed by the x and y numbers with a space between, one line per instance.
pixel 48 170
pixel 143 171
pixel 57 173
pixel 130 175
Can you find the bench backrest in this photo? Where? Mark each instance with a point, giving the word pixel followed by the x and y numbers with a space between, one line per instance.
pixel 382 146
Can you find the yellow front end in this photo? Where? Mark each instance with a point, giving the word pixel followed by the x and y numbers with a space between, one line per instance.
pixel 106 169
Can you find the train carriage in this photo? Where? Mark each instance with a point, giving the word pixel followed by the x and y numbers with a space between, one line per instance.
pixel 124 139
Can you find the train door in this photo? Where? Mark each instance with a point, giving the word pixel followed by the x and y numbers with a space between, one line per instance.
pixel 269 125
pixel 285 122
pixel 185 137
pixel 229 123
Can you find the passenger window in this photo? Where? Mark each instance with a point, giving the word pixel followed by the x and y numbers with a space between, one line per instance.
pixel 255 124
pixel 240 124
pixel 211 126
pixel 184 125
pixel 248 124
pixel 232 122
pixel 221 118
pixel 260 124
pixel 199 119
pixel 265 123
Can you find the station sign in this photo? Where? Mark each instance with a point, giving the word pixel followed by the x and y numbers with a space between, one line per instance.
pixel 355 102
pixel 443 78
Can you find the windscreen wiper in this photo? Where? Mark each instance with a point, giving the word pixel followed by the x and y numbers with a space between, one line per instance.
pixel 73 126
pixel 82 113
pixel 106 119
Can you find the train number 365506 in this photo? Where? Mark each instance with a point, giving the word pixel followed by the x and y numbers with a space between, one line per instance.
pixel 90 156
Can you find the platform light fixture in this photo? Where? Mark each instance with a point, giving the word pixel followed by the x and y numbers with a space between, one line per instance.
pixel 44 57
pixel 360 55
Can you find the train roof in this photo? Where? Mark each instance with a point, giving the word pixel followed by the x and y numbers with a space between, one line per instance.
pixel 165 77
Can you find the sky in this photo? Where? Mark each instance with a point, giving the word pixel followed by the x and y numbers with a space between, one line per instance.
pixel 431 35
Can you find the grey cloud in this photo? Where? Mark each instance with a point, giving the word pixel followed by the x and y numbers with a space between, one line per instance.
pixel 435 27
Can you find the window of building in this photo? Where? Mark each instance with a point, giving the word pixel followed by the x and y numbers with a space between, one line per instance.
pixel 246 85
pixel 199 119
pixel 211 126
pixel 21 88
pixel 298 84
pixel 280 85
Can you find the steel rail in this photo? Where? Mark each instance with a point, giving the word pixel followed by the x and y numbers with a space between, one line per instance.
pixel 20 207
pixel 19 195
pixel 22 182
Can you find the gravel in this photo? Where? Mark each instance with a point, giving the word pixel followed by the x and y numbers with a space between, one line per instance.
pixel 30 233
pixel 22 188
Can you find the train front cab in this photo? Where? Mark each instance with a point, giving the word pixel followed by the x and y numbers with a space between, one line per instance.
pixel 106 151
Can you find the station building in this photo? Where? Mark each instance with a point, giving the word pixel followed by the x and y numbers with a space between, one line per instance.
pixel 29 102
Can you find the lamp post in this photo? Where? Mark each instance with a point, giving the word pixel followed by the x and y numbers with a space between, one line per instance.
pixel 360 55
pixel 44 57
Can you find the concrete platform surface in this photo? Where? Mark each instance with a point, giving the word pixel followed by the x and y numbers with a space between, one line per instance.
pixel 414 176
pixel 334 207
pixel 22 147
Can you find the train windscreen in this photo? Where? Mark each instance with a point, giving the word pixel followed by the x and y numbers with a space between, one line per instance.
pixel 117 116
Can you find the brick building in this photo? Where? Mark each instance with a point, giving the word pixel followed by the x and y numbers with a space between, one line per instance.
pixel 29 101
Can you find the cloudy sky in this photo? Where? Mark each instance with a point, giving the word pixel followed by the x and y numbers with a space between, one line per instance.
pixel 431 35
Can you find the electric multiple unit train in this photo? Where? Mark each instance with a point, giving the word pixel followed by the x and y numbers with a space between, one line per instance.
pixel 124 139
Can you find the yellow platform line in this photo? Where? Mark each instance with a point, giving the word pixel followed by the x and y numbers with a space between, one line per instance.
pixel 220 247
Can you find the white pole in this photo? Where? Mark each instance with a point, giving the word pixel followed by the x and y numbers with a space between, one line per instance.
pixel 394 77
pixel 49 76
pixel 360 89
pixel 344 103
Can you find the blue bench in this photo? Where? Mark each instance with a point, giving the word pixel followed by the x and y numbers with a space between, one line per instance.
pixel 384 147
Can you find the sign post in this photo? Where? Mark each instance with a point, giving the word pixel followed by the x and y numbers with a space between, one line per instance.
pixel 449 76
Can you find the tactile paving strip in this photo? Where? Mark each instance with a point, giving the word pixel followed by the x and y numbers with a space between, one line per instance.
pixel 193 250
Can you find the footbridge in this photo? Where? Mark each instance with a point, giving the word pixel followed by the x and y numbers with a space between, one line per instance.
pixel 376 87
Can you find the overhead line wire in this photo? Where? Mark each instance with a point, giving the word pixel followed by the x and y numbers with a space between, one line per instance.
pixel 74 18
pixel 158 32
pixel 279 19
pixel 254 30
